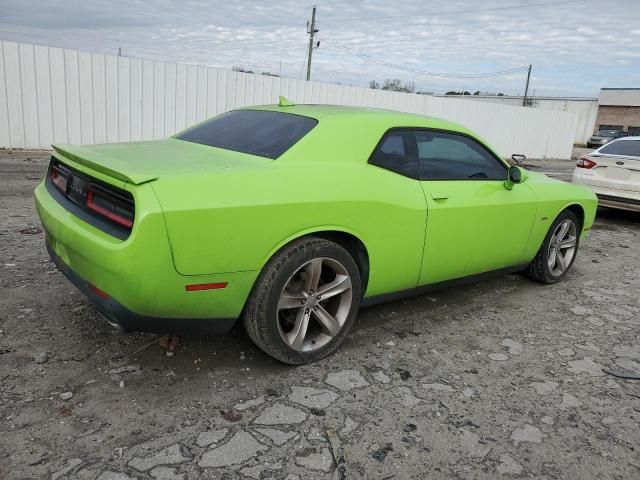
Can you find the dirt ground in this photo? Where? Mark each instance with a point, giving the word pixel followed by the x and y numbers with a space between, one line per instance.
pixel 497 379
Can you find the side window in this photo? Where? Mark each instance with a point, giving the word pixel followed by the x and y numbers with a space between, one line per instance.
pixel 447 156
pixel 393 145
pixel 396 152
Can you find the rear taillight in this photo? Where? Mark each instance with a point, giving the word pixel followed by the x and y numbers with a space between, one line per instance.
pixel 59 178
pixel 110 206
pixel 584 162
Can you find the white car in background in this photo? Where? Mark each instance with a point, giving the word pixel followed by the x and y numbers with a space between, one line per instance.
pixel 613 173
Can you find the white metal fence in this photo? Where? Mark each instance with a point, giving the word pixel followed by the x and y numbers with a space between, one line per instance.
pixel 585 108
pixel 53 95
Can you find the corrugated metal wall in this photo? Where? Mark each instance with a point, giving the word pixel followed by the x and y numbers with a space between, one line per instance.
pixel 585 109
pixel 53 95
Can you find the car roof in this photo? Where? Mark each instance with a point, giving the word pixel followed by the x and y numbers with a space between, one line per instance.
pixel 391 117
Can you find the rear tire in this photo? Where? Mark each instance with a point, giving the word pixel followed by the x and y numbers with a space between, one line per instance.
pixel 558 251
pixel 304 301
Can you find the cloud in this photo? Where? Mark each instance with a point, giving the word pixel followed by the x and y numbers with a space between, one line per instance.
pixel 573 50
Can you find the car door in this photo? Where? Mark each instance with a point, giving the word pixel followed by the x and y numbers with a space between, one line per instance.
pixel 474 223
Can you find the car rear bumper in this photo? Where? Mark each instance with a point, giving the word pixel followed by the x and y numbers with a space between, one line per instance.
pixel 611 197
pixel 622 203
pixel 119 316
pixel 142 288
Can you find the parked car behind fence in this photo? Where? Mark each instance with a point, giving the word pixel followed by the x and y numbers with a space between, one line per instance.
pixel 602 137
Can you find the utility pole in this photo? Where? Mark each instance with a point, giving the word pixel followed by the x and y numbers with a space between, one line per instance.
pixel 311 31
pixel 526 88
pixel 119 51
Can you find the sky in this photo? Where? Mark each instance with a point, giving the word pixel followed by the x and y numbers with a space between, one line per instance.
pixel 576 47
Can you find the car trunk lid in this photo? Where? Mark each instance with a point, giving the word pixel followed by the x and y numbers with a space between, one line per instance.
pixel 140 162
pixel 618 172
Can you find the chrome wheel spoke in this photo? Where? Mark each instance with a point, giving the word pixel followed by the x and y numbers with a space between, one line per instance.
pixel 291 300
pixel 560 261
pixel 564 228
pixel 295 338
pixel 313 271
pixel 568 242
pixel 329 323
pixel 341 284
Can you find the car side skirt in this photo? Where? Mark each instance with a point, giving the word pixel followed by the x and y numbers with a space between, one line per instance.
pixel 124 319
pixel 432 287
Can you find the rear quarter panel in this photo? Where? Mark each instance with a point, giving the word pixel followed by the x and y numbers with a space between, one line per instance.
pixel 236 222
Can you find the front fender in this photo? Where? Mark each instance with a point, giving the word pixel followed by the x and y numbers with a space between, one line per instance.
pixel 555 196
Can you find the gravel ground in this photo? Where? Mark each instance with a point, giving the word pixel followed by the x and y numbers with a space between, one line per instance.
pixel 497 379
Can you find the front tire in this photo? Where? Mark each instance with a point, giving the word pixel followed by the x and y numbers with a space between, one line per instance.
pixel 304 302
pixel 558 251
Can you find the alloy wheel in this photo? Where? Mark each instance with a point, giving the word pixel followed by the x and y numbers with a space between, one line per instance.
pixel 314 304
pixel 562 247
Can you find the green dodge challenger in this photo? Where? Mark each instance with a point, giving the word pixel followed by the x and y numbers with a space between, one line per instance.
pixel 290 217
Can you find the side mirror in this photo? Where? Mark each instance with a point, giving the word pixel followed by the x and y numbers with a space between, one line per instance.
pixel 516 175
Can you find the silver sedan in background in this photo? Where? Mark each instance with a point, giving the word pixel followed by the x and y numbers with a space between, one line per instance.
pixel 613 173
pixel 603 137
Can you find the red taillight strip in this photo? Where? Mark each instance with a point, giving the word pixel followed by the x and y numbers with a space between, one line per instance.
pixel 205 286
pixel 107 213
pixel 58 180
pixel 585 162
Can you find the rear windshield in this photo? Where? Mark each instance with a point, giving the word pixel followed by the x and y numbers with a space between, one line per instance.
pixel 257 132
pixel 622 147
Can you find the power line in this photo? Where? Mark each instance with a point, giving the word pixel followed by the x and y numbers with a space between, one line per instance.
pixel 417 71
pixel 137 48
pixel 456 12
pixel 324 4
pixel 161 56
pixel 117 42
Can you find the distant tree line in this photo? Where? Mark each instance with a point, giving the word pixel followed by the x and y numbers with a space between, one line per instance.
pixel 243 70
pixel 477 92
pixel 396 85
pixel 393 85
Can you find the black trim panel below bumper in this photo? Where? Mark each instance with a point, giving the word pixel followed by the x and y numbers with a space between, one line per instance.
pixel 121 317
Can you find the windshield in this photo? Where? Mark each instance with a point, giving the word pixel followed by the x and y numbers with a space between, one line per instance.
pixel 629 148
pixel 256 132
pixel 606 133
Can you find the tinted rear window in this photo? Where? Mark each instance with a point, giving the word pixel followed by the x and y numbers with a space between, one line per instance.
pixel 257 132
pixel 622 147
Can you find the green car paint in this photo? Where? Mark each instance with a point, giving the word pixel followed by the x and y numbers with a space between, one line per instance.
pixel 206 215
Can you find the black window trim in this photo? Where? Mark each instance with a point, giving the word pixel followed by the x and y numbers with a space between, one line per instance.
pixel 439 130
